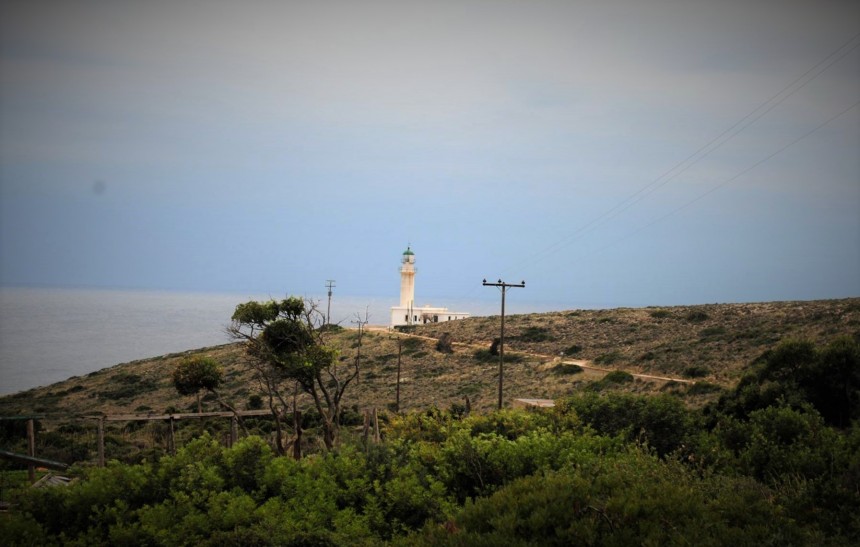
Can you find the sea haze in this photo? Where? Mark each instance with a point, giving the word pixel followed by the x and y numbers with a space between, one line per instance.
pixel 49 335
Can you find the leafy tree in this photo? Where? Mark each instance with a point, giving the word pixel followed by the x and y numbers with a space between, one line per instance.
pixel 195 374
pixel 284 341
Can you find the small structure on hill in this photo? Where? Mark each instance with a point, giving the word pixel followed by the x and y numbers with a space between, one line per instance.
pixel 407 313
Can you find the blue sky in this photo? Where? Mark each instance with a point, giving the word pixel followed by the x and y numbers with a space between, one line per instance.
pixel 265 147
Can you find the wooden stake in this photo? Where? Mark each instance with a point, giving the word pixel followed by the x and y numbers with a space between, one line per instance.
pixel 366 426
pixel 297 426
pixel 171 441
pixel 376 437
pixel 31 450
pixel 101 441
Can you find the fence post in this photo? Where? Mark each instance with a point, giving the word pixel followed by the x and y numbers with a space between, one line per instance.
pixel 31 450
pixel 101 441
pixel 171 442
pixel 297 425
pixel 376 437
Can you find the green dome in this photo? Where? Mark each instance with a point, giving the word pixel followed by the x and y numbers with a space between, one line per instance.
pixel 408 251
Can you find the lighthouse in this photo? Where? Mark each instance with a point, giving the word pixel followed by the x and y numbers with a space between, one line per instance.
pixel 407 279
pixel 407 313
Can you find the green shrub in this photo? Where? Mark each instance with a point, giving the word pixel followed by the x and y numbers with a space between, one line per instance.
pixel 618 377
pixel 660 314
pixel 796 373
pixel 626 499
pixel 609 358
pixel 573 350
pixel 695 371
pixel 662 420
pixel 566 368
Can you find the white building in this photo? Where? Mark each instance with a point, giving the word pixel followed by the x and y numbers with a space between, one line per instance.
pixel 407 313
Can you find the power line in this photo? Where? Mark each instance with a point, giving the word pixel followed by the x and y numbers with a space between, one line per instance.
pixel 714 144
pixel 729 180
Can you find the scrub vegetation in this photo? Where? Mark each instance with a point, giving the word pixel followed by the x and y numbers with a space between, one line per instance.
pixel 760 453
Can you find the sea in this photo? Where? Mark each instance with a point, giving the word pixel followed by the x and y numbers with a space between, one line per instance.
pixel 51 334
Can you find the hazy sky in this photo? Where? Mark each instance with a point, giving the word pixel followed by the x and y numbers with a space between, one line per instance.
pixel 619 153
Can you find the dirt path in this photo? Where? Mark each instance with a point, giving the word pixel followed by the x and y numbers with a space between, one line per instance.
pixel 548 358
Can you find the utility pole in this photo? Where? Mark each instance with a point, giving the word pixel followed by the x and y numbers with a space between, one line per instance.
pixel 361 325
pixel 329 285
pixel 399 353
pixel 504 288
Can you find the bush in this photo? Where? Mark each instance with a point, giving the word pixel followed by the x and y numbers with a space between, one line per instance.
pixel 255 402
pixel 662 421
pixel 797 373
pixel 609 358
pixel 697 316
pixel 695 371
pixel 618 377
pixel 564 368
pixel 660 314
pixel 573 350
pixel 444 344
pixel 627 499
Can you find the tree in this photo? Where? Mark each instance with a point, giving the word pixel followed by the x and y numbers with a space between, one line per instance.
pixel 195 374
pixel 285 346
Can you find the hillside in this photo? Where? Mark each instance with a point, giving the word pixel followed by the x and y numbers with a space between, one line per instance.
pixel 719 340
pixel 709 343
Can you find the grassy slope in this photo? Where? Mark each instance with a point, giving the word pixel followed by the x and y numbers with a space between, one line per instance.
pixel 719 339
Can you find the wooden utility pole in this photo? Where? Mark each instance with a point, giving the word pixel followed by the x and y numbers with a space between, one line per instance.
pixel 361 325
pixel 399 353
pixel 504 288
pixel 329 285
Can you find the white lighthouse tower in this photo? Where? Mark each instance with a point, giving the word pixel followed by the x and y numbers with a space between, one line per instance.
pixel 406 313
pixel 407 279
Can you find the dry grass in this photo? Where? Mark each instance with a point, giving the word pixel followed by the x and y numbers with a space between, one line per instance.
pixel 712 343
